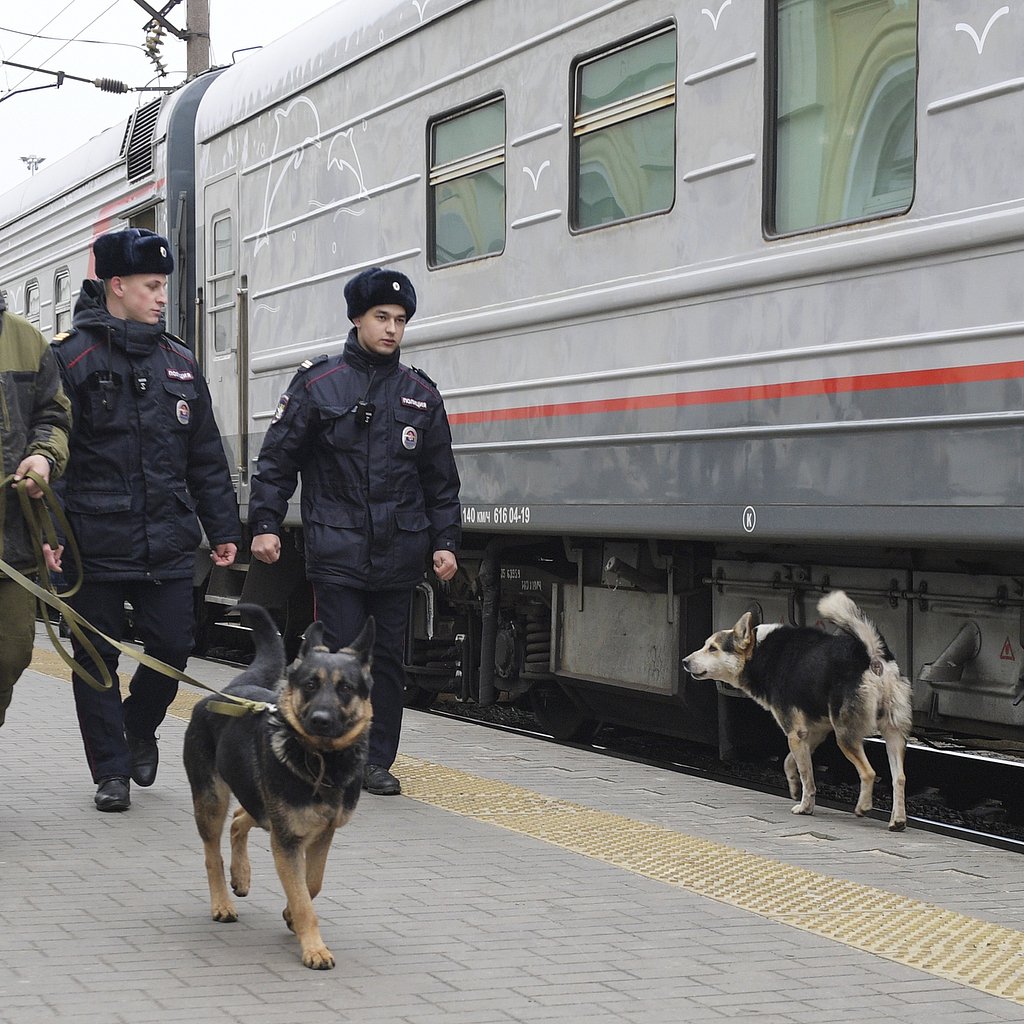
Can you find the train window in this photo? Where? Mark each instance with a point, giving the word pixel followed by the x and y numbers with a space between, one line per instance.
pixel 467 184
pixel 222 285
pixel 62 301
pixel 32 302
pixel 624 132
pixel 844 115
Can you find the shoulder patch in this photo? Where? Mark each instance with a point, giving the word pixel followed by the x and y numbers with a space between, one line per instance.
pixel 420 373
pixel 308 363
pixel 282 405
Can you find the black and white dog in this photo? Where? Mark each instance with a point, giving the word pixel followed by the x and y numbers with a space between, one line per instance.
pixel 815 682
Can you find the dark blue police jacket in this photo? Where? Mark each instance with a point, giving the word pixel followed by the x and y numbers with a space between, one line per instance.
pixel 147 463
pixel 380 492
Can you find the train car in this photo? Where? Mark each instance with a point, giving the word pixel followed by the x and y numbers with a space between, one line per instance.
pixel 138 173
pixel 720 300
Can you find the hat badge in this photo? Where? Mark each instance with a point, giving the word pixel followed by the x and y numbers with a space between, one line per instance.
pixel 163 252
pixel 396 286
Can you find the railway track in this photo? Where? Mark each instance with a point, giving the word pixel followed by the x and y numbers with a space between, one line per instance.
pixel 969 795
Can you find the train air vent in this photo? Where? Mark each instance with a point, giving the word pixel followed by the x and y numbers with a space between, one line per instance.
pixel 138 147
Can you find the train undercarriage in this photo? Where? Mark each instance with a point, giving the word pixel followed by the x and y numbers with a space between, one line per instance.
pixel 590 631
pixel 587 631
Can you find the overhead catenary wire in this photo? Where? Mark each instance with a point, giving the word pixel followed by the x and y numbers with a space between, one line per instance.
pixel 50 22
pixel 61 39
pixel 17 86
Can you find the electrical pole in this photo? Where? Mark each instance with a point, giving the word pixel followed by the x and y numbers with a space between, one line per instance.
pixel 197 35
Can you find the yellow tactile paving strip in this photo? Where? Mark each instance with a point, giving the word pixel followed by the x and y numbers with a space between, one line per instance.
pixel 953 946
pixel 940 942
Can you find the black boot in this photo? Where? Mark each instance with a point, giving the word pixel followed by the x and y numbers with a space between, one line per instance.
pixel 145 758
pixel 113 795
pixel 377 779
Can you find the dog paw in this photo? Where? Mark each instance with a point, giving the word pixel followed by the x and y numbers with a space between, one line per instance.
pixel 802 808
pixel 321 959
pixel 898 826
pixel 287 915
pixel 241 876
pixel 861 811
pixel 225 914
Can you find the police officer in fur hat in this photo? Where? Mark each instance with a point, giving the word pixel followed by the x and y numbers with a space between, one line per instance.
pixel 146 468
pixel 380 491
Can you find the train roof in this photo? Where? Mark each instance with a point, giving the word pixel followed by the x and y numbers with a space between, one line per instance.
pixel 62 175
pixel 103 151
pixel 339 36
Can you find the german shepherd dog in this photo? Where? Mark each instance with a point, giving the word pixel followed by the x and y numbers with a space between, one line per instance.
pixel 295 768
pixel 815 682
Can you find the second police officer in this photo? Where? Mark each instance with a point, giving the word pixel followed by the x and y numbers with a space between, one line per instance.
pixel 380 491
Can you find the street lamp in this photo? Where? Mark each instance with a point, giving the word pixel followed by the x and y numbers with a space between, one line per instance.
pixel 32 162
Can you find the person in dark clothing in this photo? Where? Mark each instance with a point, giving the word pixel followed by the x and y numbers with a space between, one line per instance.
pixel 380 491
pixel 33 438
pixel 147 466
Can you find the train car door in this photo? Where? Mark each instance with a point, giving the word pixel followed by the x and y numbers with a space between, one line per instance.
pixel 226 334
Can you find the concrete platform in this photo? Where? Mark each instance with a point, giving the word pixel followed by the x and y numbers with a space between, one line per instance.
pixel 513 881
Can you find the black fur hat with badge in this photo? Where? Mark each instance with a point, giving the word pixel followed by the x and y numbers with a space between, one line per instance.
pixel 377 286
pixel 132 251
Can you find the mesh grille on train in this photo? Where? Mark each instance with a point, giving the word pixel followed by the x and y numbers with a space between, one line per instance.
pixel 138 145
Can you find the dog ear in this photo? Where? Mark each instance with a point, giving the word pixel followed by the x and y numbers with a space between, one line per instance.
pixel 743 632
pixel 314 639
pixel 362 646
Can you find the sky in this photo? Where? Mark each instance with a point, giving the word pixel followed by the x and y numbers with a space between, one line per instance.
pixel 52 122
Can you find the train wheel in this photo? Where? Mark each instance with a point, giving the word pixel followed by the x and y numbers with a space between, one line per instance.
pixel 558 714
pixel 419 697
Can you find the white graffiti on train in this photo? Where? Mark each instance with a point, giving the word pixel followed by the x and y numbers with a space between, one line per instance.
pixel 715 17
pixel 281 116
pixel 535 178
pixel 962 26
pixel 335 159
pixel 421 8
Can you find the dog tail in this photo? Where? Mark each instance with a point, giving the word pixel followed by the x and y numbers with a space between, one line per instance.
pixel 894 709
pixel 843 612
pixel 268 664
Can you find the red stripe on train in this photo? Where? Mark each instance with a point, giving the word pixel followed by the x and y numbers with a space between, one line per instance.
pixel 756 393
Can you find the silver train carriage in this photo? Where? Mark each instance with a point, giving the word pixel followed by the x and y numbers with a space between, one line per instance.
pixel 720 300
pixel 138 173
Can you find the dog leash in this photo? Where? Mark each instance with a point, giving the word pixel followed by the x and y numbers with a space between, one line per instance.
pixel 39 515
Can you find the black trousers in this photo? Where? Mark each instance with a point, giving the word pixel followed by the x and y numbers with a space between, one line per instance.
pixel 165 622
pixel 343 611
